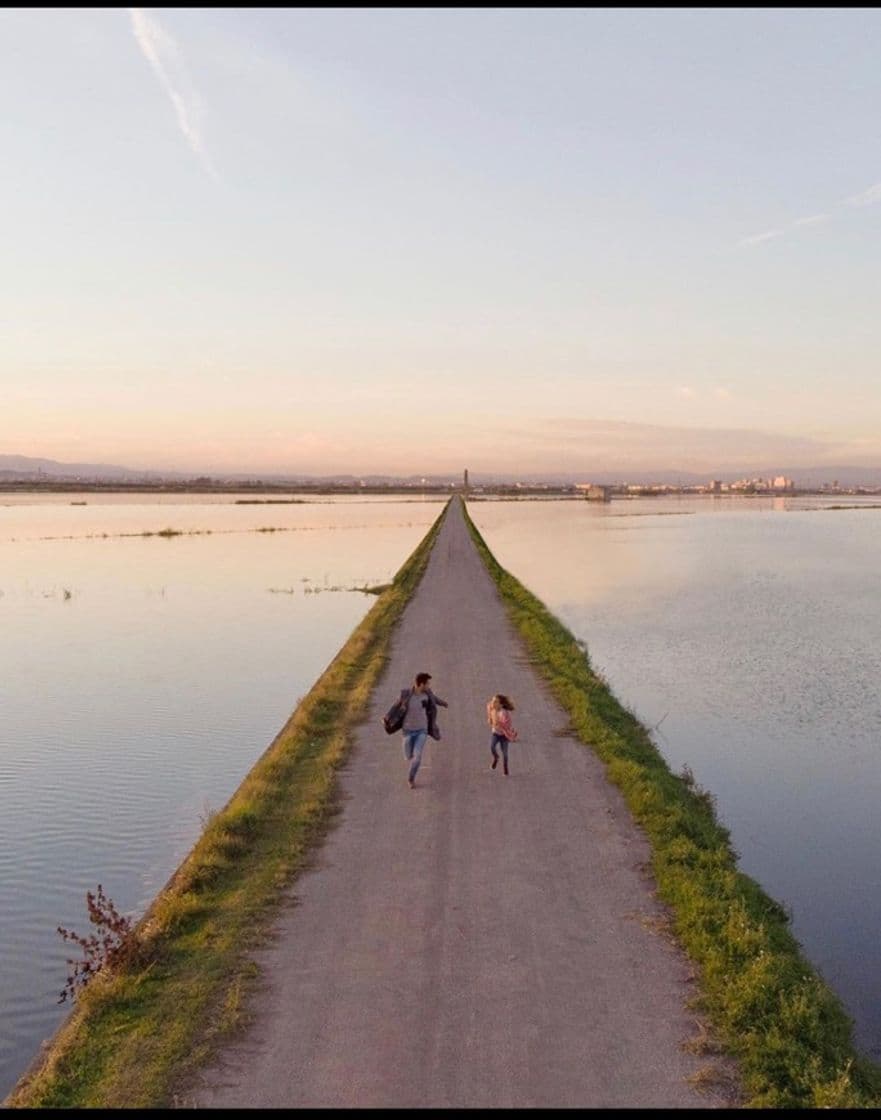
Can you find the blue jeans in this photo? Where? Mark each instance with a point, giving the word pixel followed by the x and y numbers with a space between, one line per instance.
pixel 414 741
pixel 501 741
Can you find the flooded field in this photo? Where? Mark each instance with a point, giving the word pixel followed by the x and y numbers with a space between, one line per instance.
pixel 747 633
pixel 150 650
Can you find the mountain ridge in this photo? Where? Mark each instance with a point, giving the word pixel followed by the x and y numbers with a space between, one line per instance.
pixel 31 468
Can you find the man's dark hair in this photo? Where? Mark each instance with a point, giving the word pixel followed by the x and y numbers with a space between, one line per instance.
pixel 423 678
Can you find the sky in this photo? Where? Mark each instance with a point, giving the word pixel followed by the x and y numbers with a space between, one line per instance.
pixel 414 240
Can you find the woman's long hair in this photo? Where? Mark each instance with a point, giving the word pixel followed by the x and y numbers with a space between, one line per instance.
pixel 503 700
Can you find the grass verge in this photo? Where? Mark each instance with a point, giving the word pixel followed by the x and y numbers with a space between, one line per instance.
pixel 138 1033
pixel 771 1010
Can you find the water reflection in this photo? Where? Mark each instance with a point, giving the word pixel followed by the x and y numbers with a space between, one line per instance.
pixel 140 679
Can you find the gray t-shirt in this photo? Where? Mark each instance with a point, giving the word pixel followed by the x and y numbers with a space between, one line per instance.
pixel 416 718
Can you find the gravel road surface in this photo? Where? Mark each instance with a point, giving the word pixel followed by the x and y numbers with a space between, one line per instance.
pixel 480 941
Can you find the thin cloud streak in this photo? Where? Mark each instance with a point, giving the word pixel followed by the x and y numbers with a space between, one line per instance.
pixel 813 220
pixel 757 238
pixel 163 55
pixel 868 197
pixel 865 198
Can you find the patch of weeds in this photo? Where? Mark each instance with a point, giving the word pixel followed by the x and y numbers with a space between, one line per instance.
pixel 659 924
pixel 703 795
pixel 715 1079
pixel 207 816
pixel 702 1042
pixel 110 945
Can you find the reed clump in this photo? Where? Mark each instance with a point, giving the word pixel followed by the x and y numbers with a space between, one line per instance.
pixel 109 945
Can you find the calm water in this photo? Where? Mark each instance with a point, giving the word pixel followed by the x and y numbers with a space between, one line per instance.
pixel 140 679
pixel 748 632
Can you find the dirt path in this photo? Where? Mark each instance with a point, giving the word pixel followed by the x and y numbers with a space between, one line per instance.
pixel 480 941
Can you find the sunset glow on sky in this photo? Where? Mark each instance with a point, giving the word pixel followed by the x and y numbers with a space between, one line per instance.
pixel 413 240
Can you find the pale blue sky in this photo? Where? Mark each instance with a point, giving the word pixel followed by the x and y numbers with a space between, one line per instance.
pixel 415 240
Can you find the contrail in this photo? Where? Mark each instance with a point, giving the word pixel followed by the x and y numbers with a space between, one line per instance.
pixel 812 220
pixel 162 52
pixel 759 237
pixel 868 197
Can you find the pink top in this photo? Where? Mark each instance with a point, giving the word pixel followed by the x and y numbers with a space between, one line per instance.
pixel 500 721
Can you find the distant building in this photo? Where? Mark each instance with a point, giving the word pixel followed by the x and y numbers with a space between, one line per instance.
pixel 782 483
pixel 594 493
pixel 465 480
pixel 715 486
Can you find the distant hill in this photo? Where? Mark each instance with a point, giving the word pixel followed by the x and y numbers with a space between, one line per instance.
pixel 23 468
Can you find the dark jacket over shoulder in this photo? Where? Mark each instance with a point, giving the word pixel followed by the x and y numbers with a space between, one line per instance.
pixel 434 702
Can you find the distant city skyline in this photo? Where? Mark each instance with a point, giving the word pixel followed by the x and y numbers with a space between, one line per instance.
pixel 15 469
pixel 402 241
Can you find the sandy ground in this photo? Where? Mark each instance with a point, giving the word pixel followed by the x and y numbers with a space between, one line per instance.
pixel 480 940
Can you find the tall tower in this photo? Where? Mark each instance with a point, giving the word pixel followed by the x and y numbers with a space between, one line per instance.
pixel 465 480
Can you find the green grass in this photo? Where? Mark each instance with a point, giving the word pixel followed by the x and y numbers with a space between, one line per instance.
pixel 772 1012
pixel 136 1035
